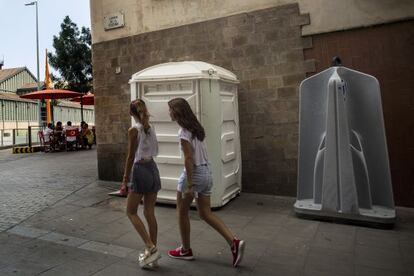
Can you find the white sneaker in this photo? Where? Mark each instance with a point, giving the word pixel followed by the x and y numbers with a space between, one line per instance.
pixel 152 265
pixel 149 257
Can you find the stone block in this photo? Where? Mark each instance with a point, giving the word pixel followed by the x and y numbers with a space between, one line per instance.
pixel 307 42
pixel 240 63
pixel 239 41
pixel 289 68
pixel 272 36
pixel 239 20
pixel 256 61
pixel 287 93
pixel 286 10
pixel 286 44
pixel 300 20
pixel 294 55
pixel 310 66
pixel 260 72
pixel 275 82
pixel 252 50
pixel 258 83
pixel 232 53
pixel 295 79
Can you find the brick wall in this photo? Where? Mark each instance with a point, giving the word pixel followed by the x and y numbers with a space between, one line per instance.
pixel 386 52
pixel 263 48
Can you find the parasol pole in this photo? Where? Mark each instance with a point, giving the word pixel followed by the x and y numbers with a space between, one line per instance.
pixel 81 108
pixel 52 109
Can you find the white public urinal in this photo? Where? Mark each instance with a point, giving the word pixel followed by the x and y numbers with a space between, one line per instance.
pixel 343 168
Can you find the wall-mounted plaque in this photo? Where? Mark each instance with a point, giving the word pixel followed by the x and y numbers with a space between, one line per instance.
pixel 113 21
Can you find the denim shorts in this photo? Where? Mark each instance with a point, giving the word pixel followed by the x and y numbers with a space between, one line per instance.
pixel 202 180
pixel 145 178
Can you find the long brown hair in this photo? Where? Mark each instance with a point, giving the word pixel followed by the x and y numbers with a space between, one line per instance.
pixel 139 109
pixel 185 117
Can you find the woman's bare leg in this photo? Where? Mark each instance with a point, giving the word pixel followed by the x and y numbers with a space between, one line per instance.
pixel 204 210
pixel 133 201
pixel 149 213
pixel 183 207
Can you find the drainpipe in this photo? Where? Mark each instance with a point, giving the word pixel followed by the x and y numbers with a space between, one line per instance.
pixel 15 117
pixel 2 112
pixel 2 117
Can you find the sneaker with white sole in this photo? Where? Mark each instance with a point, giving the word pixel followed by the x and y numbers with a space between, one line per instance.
pixel 179 253
pixel 152 265
pixel 237 250
pixel 149 256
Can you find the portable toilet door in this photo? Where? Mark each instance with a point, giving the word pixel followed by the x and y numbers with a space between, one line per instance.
pixel 343 159
pixel 211 92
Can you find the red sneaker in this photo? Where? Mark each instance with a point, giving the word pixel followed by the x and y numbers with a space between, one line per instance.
pixel 237 249
pixel 179 253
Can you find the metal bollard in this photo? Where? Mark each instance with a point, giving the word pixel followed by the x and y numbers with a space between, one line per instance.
pixel 30 136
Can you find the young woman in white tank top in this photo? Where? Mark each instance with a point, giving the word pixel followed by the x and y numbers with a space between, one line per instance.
pixel 144 180
pixel 196 182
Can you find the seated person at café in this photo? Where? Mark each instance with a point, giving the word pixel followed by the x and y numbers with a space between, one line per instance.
pixel 58 134
pixel 80 142
pixel 59 127
pixel 48 132
pixel 68 124
pixel 71 134
pixel 81 125
pixel 86 136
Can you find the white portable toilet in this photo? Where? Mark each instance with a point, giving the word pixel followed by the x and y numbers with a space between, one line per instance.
pixel 211 92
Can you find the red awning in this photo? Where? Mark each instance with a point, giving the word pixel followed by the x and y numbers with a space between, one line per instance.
pixel 88 99
pixel 51 94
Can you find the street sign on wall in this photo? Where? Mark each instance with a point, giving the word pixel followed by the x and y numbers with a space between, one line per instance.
pixel 113 21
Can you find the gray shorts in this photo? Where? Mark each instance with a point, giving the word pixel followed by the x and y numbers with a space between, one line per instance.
pixel 202 180
pixel 145 178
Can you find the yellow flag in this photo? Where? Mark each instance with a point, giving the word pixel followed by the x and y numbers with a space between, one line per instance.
pixel 48 80
pixel 48 85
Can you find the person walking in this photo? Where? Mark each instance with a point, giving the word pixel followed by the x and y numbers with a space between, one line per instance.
pixel 196 182
pixel 144 180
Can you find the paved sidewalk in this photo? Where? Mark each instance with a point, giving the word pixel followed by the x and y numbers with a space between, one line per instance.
pixel 86 232
pixel 31 182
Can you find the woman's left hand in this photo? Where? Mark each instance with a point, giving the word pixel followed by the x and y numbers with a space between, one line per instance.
pixel 189 192
pixel 124 189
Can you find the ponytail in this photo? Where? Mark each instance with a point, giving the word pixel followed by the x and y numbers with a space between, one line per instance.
pixel 139 109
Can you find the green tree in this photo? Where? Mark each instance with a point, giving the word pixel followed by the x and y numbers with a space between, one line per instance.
pixel 72 58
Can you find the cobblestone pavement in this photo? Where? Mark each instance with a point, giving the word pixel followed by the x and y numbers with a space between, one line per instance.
pixel 31 182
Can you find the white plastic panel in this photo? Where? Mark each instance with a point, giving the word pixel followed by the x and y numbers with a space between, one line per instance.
pixel 229 136
pixel 170 160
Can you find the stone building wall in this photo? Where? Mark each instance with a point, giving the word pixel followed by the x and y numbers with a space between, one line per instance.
pixel 143 16
pixel 263 48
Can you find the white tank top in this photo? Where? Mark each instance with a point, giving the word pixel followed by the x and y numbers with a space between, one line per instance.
pixel 147 144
